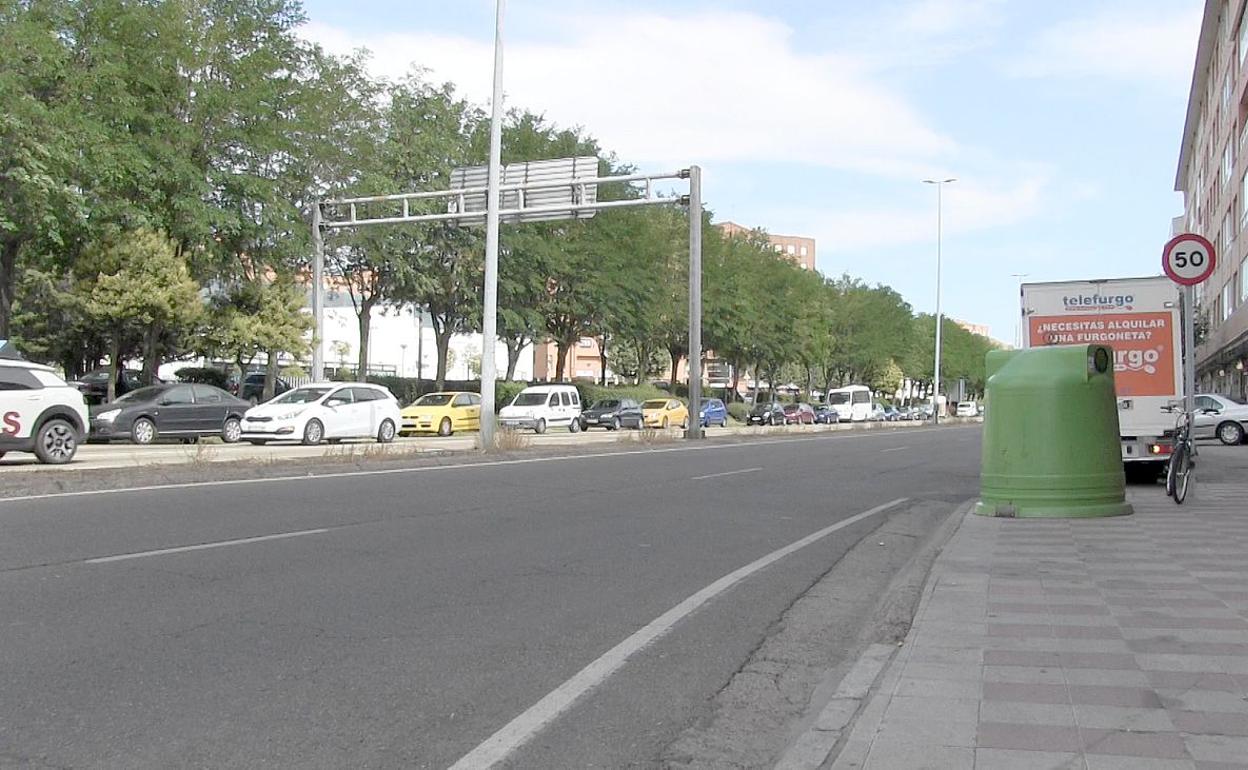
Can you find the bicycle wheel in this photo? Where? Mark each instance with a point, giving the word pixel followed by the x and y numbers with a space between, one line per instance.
pixel 1183 476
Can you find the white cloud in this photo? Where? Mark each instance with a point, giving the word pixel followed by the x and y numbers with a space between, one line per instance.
pixel 635 81
pixel 1128 44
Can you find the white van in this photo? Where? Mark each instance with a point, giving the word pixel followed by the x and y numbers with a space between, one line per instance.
pixel 541 407
pixel 852 403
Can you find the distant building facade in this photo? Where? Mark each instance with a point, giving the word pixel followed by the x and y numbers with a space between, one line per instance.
pixel 796 248
pixel 1213 177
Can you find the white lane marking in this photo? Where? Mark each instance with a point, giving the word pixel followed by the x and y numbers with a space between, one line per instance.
pixel 843 436
pixel 203 546
pixel 523 728
pixel 894 449
pixel 725 473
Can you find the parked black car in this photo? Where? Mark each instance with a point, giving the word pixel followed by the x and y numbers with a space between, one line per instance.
pixel 94 384
pixel 251 389
pixel 186 411
pixel 612 414
pixel 766 414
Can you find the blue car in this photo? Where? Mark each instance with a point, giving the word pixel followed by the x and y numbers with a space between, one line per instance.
pixel 713 412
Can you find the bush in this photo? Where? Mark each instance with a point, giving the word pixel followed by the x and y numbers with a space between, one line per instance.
pixel 591 392
pixel 203 375
pixel 738 411
pixel 408 389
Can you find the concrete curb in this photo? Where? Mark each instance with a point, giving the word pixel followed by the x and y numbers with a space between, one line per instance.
pixel 848 715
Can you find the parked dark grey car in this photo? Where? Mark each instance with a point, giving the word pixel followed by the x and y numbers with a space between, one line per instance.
pixel 612 414
pixel 186 411
pixel 766 414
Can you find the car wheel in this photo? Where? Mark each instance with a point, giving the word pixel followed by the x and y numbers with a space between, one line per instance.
pixel 1231 433
pixel 56 443
pixel 664 425
pixel 313 432
pixel 444 427
pixel 615 423
pixel 574 426
pixel 143 431
pixel 385 434
pixel 684 424
pixel 232 431
pixel 540 427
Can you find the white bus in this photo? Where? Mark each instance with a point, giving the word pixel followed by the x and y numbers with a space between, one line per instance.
pixel 852 403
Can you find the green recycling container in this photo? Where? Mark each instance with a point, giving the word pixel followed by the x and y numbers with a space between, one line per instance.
pixel 1051 445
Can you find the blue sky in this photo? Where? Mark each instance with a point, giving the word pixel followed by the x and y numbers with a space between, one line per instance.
pixel 1061 119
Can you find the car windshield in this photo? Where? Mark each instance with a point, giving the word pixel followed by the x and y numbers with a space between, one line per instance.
pixel 434 399
pixel 607 404
pixel 530 399
pixel 790 407
pixel 301 396
pixel 838 398
pixel 99 375
pixel 1235 401
pixel 142 394
pixel 656 404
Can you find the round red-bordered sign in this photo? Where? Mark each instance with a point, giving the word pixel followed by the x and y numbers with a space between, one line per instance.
pixel 1189 259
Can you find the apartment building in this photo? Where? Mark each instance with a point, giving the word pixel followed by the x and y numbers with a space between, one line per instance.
pixel 1213 177
pixel 797 248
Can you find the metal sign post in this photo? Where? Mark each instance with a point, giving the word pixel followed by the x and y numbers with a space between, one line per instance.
pixel 489 305
pixel 1189 260
pixel 695 303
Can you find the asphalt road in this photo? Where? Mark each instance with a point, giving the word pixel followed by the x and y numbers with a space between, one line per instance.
pixel 409 616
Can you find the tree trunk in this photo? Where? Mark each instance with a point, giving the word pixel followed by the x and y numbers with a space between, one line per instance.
pixel 643 362
pixel 754 397
pixel 515 345
pixel 270 375
pixel 114 363
pixel 151 354
pixel 736 379
pixel 810 384
pixel 602 358
pixel 366 325
pixel 8 285
pixel 677 356
pixel 442 341
pixel 562 347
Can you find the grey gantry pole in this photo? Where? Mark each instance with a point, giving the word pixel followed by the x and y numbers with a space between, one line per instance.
pixel 695 303
pixel 489 323
pixel 318 298
pixel 940 188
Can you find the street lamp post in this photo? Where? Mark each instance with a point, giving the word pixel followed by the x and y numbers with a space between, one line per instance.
pixel 940 187
pixel 402 359
pixel 1018 325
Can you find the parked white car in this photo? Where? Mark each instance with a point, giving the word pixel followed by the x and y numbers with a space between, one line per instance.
pixel 541 407
pixel 39 412
pixel 966 409
pixel 325 411
pixel 1221 417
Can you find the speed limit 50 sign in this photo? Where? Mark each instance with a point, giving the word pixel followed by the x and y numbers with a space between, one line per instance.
pixel 1189 259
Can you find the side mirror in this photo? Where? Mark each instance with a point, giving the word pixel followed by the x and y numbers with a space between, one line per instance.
pixel 164 402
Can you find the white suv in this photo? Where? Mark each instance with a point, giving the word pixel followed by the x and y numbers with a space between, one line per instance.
pixel 39 413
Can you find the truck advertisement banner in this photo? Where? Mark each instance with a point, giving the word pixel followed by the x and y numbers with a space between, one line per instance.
pixel 1143 346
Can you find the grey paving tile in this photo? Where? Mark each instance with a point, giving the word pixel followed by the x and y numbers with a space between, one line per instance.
pixel 1028 713
pixel 920 654
pixel 915 708
pixel 1217 748
pixel 1173 662
pixel 1008 759
pixel 1123 718
pixel 1025 674
pixel 1105 695
pixel 1211 723
pixel 1116 678
pixel 939 688
pixel 1029 737
pixel 1109 762
pixel 1026 693
pixel 955 672
pixel 1221 765
pixel 937 732
pixel 919 757
pixel 1122 742
pixel 1178 647
pixel 1193 680
pixel 1204 700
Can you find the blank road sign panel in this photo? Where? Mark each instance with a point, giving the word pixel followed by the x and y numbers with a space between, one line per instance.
pixel 562 174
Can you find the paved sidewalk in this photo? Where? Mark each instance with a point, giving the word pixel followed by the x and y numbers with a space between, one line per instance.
pixel 1106 643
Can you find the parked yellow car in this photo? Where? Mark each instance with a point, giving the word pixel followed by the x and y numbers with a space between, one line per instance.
pixel 442 413
pixel 664 413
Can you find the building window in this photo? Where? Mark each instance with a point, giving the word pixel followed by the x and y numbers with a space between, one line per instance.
pixel 779 248
pixel 1243 281
pixel 1243 38
pixel 1228 300
pixel 804 250
pixel 1228 163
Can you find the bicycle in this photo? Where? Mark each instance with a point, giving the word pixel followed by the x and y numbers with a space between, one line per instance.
pixel 1179 469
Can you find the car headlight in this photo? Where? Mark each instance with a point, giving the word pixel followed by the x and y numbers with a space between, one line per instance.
pixel 108 416
pixel 289 415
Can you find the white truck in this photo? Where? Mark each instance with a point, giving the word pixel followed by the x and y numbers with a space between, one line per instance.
pixel 1139 319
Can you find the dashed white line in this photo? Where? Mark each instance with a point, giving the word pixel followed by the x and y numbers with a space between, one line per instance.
pixel 725 473
pixel 894 449
pixel 204 546
pixel 519 731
